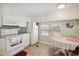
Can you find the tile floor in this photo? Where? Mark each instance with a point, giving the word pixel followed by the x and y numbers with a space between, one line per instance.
pixel 38 49
pixel 41 49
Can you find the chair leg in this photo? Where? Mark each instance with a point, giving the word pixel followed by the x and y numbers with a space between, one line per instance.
pixel 70 54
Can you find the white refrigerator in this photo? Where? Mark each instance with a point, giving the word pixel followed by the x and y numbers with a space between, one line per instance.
pixel 34 33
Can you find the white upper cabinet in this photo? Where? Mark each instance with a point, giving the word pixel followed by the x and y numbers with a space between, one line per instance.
pixel 9 20
pixel 13 16
pixel 0 21
pixel 0 15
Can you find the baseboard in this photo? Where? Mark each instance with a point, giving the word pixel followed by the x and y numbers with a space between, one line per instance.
pixel 14 52
pixel 48 43
pixel 34 43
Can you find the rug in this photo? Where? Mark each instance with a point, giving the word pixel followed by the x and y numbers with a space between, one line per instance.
pixel 21 53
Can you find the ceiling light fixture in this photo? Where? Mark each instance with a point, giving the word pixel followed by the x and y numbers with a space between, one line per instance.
pixel 61 6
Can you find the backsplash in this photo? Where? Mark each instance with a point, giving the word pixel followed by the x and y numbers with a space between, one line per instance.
pixel 22 30
pixel 12 30
pixel 9 27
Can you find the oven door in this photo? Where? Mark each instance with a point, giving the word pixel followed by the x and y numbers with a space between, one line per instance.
pixel 13 42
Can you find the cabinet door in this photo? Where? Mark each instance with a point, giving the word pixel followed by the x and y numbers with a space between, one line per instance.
pixel 8 16
pixel 2 46
pixel 0 21
pixel 9 20
pixel 12 43
pixel 1 15
pixel 26 39
pixel 13 16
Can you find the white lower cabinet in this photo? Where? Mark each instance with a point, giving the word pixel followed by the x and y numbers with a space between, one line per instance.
pixel 26 39
pixel 22 41
pixel 2 46
pixel 10 45
pixel 13 42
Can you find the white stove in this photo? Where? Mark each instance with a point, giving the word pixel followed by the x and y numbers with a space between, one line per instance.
pixel 13 42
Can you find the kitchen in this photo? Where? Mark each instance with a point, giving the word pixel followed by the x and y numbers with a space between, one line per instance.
pixel 37 29
pixel 15 30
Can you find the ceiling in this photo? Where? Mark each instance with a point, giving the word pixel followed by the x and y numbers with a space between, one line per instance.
pixel 38 9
